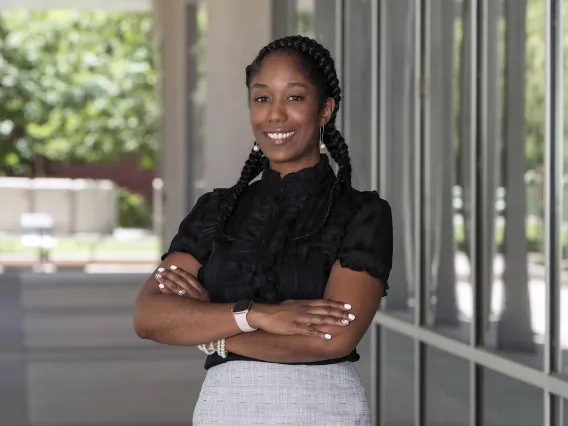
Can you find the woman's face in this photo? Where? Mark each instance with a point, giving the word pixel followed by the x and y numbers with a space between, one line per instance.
pixel 285 113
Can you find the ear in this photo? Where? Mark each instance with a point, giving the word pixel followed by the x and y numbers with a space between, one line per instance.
pixel 327 110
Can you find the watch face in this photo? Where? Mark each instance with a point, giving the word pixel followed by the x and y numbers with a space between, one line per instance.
pixel 241 306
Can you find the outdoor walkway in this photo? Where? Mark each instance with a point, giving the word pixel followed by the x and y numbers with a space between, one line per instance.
pixel 69 357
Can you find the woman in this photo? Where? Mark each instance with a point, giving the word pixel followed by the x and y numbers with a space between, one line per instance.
pixel 279 278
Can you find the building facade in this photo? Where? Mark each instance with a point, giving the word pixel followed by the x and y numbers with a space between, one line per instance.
pixel 453 111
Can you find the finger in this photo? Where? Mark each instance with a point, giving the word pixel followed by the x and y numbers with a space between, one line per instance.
pixel 312 319
pixel 310 331
pixel 190 279
pixel 165 285
pixel 169 286
pixel 175 281
pixel 197 289
pixel 330 303
pixel 328 311
pixel 164 289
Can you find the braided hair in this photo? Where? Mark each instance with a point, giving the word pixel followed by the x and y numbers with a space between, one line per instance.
pixel 318 66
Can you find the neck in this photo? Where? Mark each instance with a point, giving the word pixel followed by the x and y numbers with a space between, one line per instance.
pixel 294 166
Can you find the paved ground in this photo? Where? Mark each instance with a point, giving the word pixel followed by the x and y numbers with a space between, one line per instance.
pixel 69 357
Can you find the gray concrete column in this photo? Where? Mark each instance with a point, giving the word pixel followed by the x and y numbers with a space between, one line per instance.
pixel 176 34
pixel 398 124
pixel 491 155
pixel 236 31
pixel 441 153
pixel 514 331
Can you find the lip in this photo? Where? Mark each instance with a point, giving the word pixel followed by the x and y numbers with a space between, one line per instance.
pixel 279 142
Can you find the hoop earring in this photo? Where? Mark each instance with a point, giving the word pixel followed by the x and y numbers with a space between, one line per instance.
pixel 322 144
pixel 255 147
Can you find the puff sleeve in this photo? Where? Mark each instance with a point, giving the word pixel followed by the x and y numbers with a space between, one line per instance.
pixel 187 238
pixel 368 242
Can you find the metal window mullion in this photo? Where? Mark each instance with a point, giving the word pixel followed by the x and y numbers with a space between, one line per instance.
pixel 382 107
pixel 340 56
pixel 478 41
pixel 484 357
pixel 376 91
pixel 375 83
pixel 377 370
pixel 421 47
pixel 552 201
pixel 380 410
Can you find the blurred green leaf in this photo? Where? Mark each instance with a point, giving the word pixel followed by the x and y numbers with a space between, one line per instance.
pixel 76 86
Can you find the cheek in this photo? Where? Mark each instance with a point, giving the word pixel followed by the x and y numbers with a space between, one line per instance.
pixel 256 115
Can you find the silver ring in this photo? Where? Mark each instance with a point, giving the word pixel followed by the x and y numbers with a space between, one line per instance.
pixel 182 292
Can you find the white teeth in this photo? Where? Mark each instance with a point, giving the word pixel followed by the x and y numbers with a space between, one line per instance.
pixel 280 135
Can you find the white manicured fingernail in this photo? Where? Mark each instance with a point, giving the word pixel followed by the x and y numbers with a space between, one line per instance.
pixel 351 317
pixel 158 276
pixel 347 306
pixel 345 322
pixel 328 336
pixel 161 286
pixel 161 269
pixel 173 267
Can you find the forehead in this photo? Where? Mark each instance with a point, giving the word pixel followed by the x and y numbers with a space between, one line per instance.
pixel 281 67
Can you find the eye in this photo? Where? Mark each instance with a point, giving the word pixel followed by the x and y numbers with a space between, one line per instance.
pixel 295 98
pixel 261 99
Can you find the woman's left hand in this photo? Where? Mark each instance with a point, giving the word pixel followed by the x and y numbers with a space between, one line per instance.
pixel 177 281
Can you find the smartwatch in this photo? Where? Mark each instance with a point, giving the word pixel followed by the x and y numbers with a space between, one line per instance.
pixel 240 311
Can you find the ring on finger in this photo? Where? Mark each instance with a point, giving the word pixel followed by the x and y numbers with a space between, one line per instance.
pixel 182 292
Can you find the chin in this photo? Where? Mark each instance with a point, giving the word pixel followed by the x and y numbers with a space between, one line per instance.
pixel 281 155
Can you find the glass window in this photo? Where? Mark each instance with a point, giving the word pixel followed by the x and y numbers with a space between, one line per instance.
pixel 357 83
pixel 398 377
pixel 305 17
pixel 447 394
pixel 448 170
pixel 510 402
pixel 397 100
pixel 515 152
pixel 564 226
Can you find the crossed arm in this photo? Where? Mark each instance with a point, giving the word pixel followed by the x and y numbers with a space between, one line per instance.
pixel 359 289
pixel 184 321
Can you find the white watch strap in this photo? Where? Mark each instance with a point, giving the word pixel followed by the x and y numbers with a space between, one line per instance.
pixel 242 322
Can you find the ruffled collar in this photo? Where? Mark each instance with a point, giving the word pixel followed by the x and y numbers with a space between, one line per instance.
pixel 305 181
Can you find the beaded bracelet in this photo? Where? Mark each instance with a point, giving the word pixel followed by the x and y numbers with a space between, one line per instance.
pixel 213 347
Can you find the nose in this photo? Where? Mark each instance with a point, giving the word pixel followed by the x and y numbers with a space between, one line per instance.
pixel 277 112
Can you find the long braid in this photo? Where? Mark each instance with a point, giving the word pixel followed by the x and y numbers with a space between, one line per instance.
pixel 254 165
pixel 319 67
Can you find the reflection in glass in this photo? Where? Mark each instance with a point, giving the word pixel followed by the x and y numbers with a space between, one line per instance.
pixel 305 17
pixel 316 19
pixel 564 273
pixel 448 169
pixel 510 402
pixel 398 128
pixel 515 146
pixel 357 113
pixel 398 380
pixel 447 394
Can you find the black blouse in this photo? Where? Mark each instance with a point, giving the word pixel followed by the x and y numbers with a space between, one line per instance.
pixel 260 253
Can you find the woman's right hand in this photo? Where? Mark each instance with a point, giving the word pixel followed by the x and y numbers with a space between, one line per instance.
pixel 299 316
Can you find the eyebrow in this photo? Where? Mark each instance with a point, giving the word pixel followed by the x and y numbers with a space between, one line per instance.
pixel 264 86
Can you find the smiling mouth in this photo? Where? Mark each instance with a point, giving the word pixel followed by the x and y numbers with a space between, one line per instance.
pixel 279 138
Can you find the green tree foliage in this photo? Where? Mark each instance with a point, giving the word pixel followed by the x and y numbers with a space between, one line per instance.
pixel 76 86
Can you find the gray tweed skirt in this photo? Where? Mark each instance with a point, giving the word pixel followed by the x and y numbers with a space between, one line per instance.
pixel 266 394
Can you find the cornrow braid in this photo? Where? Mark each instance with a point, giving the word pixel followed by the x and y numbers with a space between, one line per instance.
pixel 318 66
